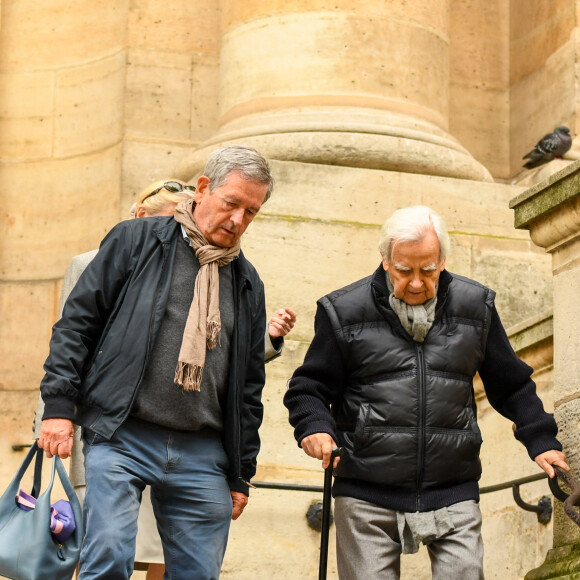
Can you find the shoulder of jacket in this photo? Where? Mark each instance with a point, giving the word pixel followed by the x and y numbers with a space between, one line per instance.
pixel 458 279
pixel 460 283
pixel 347 291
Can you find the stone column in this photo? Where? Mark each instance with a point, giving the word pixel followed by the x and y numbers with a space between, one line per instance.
pixel 551 211
pixel 62 73
pixel 320 82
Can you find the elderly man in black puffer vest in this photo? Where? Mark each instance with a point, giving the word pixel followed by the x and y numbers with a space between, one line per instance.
pixel 389 377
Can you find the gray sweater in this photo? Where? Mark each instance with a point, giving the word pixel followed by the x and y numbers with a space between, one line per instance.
pixel 159 400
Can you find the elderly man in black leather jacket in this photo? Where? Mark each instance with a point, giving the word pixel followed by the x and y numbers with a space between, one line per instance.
pixel 388 376
pixel 159 356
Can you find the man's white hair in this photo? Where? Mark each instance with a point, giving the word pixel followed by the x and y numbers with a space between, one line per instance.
pixel 411 224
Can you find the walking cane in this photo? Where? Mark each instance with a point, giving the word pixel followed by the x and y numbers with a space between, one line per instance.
pixel 326 500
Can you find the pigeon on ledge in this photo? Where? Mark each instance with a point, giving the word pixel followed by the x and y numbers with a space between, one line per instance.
pixel 548 147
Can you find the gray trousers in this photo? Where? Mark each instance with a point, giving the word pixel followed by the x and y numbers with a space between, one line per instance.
pixel 368 544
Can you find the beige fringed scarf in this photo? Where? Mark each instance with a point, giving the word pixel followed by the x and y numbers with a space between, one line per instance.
pixel 203 324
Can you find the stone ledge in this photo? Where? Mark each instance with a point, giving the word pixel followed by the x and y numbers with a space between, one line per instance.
pixel 562 562
pixel 532 331
pixel 546 196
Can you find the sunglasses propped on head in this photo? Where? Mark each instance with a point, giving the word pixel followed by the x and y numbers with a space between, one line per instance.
pixel 172 186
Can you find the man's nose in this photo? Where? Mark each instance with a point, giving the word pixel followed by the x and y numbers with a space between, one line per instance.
pixel 416 282
pixel 237 216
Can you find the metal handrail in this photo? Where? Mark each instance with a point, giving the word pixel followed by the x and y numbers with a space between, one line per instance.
pixel 570 501
pixel 319 488
pixel 543 509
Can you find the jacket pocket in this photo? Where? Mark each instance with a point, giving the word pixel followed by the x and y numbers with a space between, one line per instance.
pixel 475 430
pixel 360 438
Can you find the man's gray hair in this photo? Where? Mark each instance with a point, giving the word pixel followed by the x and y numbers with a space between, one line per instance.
pixel 411 224
pixel 246 160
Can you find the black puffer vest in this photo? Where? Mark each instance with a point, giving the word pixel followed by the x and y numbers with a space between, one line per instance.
pixel 408 418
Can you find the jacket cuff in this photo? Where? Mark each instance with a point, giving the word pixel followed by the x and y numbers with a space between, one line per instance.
pixel 317 427
pixel 59 408
pixel 543 444
pixel 239 485
pixel 273 347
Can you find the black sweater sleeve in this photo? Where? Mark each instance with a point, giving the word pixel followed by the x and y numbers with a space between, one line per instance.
pixel 511 391
pixel 316 384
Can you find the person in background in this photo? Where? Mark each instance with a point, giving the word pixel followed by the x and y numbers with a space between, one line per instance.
pixel 389 378
pixel 231 195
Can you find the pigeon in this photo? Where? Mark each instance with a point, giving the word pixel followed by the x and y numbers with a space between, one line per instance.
pixel 548 147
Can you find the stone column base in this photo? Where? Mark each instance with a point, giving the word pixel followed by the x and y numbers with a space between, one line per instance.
pixel 562 562
pixel 347 137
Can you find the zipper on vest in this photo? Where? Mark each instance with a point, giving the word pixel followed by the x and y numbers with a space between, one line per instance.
pixel 421 426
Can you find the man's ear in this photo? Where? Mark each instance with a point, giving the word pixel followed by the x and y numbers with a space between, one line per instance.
pixel 385 265
pixel 202 188
pixel 141 212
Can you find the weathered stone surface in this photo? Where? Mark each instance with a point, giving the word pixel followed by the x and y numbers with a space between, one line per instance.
pixel 567 339
pixel 89 107
pixel 73 210
pixel 549 210
pixel 562 562
pixel 166 78
pixel 330 52
pixel 26 129
pixel 16 429
pixel 488 142
pixel 404 151
pixel 541 73
pixel 176 26
pixel 421 13
pixel 24 338
pixel 567 414
pixel 56 33
pixel 536 33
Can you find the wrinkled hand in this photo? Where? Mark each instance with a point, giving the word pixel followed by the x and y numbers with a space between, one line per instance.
pixel 239 502
pixel 320 446
pixel 282 322
pixel 56 437
pixel 548 458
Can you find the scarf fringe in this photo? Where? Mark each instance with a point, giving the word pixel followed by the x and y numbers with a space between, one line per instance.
pixel 188 376
pixel 213 334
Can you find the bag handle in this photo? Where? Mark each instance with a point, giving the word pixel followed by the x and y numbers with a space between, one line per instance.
pixel 57 466
pixel 36 485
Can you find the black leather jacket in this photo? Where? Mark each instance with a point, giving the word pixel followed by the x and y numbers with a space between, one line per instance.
pixel 100 347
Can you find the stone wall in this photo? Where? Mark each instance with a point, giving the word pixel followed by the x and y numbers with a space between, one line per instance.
pixel 363 108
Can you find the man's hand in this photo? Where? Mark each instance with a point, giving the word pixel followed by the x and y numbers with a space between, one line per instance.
pixel 320 446
pixel 548 458
pixel 239 502
pixel 56 437
pixel 282 322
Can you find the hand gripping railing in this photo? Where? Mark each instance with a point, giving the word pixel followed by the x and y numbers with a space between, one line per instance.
pixel 570 500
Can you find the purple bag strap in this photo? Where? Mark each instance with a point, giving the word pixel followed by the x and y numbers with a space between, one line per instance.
pixel 62 519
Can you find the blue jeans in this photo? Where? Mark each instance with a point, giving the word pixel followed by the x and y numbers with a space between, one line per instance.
pixel 189 491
